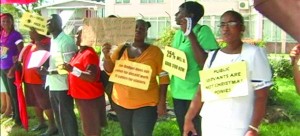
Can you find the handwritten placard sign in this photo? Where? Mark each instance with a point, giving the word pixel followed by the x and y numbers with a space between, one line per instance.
pixel 33 20
pixel 224 82
pixel 131 74
pixel 175 62
pixel 97 31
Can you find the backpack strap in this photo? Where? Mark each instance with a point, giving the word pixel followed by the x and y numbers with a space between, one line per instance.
pixel 213 57
pixel 122 50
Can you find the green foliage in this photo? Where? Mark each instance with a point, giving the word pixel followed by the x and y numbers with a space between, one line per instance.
pixel 169 125
pixel 288 97
pixel 273 98
pixel 34 5
pixel 281 67
pixel 17 9
pixel 280 129
pixel 290 101
pixel 169 98
pixel 26 37
pixel 259 43
pixel 166 38
pixel 97 49
pixel 9 8
pixel 222 44
pixel 112 129
pixel 21 132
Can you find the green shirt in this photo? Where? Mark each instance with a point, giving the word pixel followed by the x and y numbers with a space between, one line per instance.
pixel 60 45
pixel 185 89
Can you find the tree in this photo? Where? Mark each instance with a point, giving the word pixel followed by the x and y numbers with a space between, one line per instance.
pixel 9 8
pixel 17 9
pixel 30 7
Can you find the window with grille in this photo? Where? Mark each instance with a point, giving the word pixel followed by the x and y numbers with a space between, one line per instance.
pixel 158 26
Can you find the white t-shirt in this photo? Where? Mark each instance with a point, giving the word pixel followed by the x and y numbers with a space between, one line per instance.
pixel 236 112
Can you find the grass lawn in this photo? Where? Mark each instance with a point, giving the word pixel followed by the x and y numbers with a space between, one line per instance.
pixel 288 98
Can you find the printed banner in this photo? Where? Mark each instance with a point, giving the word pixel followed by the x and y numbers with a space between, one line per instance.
pixel 33 20
pixel 224 82
pixel 97 31
pixel 175 62
pixel 131 74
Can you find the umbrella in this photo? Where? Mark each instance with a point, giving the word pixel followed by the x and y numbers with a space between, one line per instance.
pixel 17 1
pixel 20 94
pixel 21 99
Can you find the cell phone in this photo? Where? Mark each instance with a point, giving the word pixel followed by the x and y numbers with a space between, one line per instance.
pixel 188 26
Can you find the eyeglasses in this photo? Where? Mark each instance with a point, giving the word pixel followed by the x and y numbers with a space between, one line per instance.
pixel 229 24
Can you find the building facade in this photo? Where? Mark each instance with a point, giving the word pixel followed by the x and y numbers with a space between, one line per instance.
pixel 73 12
pixel 161 14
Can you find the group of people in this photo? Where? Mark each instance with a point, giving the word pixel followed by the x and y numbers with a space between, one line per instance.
pixel 233 116
pixel 53 93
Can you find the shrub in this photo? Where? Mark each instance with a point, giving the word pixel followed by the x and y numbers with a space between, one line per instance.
pixel 97 49
pixel 259 43
pixel 166 38
pixel 281 67
pixel 273 98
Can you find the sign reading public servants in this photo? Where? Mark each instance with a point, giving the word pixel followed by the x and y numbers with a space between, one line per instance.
pixel 224 81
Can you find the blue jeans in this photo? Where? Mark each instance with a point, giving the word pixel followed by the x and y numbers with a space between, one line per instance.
pixel 136 122
pixel 180 108
pixel 63 108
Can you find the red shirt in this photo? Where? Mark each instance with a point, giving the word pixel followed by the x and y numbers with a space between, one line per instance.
pixel 31 75
pixel 80 88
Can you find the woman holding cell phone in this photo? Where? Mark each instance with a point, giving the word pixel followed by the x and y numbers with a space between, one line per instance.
pixel 194 40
